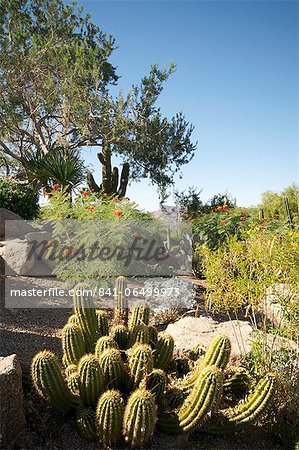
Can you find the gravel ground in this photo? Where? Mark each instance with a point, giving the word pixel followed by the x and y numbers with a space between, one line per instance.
pixel 25 332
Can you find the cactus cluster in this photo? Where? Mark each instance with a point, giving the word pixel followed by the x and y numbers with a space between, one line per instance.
pixel 119 380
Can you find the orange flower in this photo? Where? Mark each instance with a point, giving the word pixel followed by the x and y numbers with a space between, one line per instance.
pixel 244 211
pixel 219 208
pixel 105 194
pixel 117 212
pixel 222 222
pixel 265 219
pixel 225 207
pixel 90 208
pixel 115 199
pixel 276 216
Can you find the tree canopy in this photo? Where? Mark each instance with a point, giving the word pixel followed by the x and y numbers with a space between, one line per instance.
pixel 55 93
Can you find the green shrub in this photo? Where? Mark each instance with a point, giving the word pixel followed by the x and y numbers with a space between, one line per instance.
pixel 20 198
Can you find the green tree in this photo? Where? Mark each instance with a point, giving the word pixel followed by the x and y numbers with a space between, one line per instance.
pixel 274 202
pixel 55 78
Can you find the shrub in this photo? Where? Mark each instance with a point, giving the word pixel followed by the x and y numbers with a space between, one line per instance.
pixel 20 198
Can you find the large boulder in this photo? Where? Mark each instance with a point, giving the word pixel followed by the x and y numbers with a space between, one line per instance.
pixel 12 417
pixel 18 258
pixel 16 228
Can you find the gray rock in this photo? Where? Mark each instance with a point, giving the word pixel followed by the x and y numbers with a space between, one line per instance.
pixel 18 227
pixel 12 417
pixel 18 260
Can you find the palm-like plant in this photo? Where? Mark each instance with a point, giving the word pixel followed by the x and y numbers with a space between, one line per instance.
pixel 61 165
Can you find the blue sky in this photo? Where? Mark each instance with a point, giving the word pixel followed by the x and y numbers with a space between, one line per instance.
pixel 236 81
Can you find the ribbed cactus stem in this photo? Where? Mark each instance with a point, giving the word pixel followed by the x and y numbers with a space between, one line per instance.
pixel 120 334
pixel 71 368
pixel 104 343
pixel 155 382
pixel 91 379
pixel 103 322
pixel 138 334
pixel 140 315
pixel 112 367
pixel 121 310
pixel 201 399
pixel 140 418
pixel 87 317
pixel 73 382
pixel 196 352
pixel 109 416
pixel 49 382
pixel 217 355
pixel 86 422
pixel 164 351
pixel 140 364
pixel 153 336
pixel 72 343
pixel 247 412
pixel 73 319
pixel 237 383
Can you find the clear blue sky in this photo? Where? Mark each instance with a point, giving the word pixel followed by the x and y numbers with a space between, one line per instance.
pixel 236 81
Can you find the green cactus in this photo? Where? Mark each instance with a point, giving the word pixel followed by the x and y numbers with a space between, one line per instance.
pixel 87 317
pixel 109 417
pixel 120 334
pixel 153 337
pixel 73 319
pixel 49 382
pixel 72 368
pixel 86 421
pixel 140 364
pixel 140 315
pixel 201 399
pixel 104 343
pixel 196 352
pixel 103 323
pixel 73 382
pixel 155 382
pixel 140 417
pixel 217 355
pixel 138 334
pixel 112 367
pixel 91 379
pixel 246 412
pixel 72 343
pixel 121 310
pixel 164 351
pixel 237 383
pixel 174 396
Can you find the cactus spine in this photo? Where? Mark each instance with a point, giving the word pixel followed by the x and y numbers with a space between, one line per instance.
pixel 103 323
pixel 87 317
pixel 164 351
pixel 73 382
pixel 140 315
pixel 138 334
pixel 104 343
pixel 73 319
pixel 121 310
pixel 112 367
pixel 140 364
pixel 140 417
pixel 49 382
pixel 72 343
pixel 91 379
pixel 155 382
pixel 109 418
pixel 86 421
pixel 120 335
pixel 72 368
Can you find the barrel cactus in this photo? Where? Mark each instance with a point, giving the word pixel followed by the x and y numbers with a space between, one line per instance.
pixel 140 364
pixel 139 334
pixel 49 382
pixel 72 343
pixel 111 364
pixel 87 318
pixel 104 343
pixel 92 379
pixel 103 323
pixel 86 422
pixel 121 309
pixel 164 351
pixel 140 417
pixel 156 382
pixel 140 315
pixel 120 334
pixel 109 416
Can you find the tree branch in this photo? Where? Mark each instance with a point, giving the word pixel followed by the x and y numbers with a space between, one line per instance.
pixel 10 153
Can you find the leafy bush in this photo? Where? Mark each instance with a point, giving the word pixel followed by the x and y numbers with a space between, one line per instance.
pixel 274 202
pixel 239 273
pixel 20 198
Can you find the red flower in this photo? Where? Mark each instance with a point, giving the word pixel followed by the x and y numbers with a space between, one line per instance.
pixel 56 187
pixel 117 212
pixel 115 199
pixel 244 211
pixel 85 194
pixel 90 208
pixel 219 208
